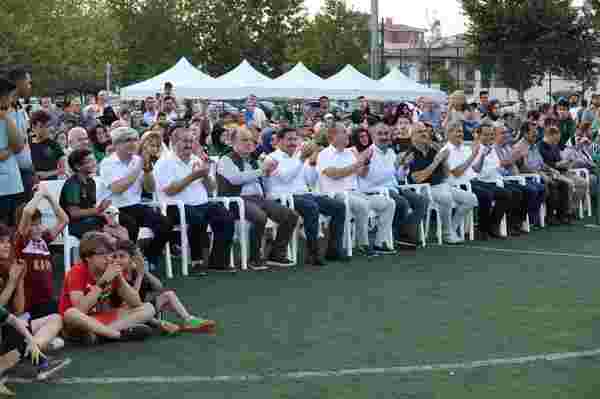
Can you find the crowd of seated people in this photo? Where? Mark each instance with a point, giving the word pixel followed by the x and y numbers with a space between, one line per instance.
pixel 368 186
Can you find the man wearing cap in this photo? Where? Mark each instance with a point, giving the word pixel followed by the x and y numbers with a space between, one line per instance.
pixel 126 174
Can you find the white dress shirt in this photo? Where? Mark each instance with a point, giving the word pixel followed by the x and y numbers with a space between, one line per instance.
pixel 330 157
pixel 382 172
pixel 490 170
pixel 292 176
pixel 458 155
pixel 169 169
pixel 113 169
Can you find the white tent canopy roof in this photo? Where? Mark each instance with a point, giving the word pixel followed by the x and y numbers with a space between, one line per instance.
pixel 397 81
pixel 350 84
pixel 299 82
pixel 183 75
pixel 244 75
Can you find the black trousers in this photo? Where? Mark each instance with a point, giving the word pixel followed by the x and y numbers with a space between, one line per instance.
pixel 494 202
pixel 135 216
pixel 198 218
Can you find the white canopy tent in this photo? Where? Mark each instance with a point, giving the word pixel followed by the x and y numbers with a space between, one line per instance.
pixel 299 82
pixel 184 76
pixel 396 81
pixel 349 84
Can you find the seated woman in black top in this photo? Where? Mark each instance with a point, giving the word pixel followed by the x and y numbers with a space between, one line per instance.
pixel 78 195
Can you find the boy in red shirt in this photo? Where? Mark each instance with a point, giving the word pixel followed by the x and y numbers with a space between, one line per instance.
pixel 31 244
pixel 90 291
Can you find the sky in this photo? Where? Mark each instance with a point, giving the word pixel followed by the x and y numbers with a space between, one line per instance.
pixel 411 13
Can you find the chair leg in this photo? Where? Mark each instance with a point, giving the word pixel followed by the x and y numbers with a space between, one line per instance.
pixel 438 219
pixel 244 237
pixel 422 234
pixel 504 226
pixel 543 215
pixel 67 254
pixel 168 262
pixel 185 252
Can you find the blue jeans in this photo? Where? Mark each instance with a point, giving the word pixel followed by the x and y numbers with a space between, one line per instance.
pixel 535 198
pixel 309 206
pixel 8 206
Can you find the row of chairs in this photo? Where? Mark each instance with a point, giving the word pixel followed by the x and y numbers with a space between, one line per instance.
pixel 242 227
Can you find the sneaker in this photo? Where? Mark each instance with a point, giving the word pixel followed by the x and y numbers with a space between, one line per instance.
pixel 367 251
pixel 383 249
pixel 137 332
pixel 198 325
pixel 257 265
pixel 56 344
pixel 168 328
pixel 280 261
pixel 453 239
pixel 49 368
pixel 337 258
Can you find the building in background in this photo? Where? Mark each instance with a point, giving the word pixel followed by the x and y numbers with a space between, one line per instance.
pixel 406 47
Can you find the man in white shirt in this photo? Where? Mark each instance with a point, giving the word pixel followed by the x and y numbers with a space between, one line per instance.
pixel 384 172
pixel 255 114
pixel 296 170
pixel 170 109
pixel 126 174
pixel 460 162
pixel 151 114
pixel 238 174
pixel 182 176
pixel 430 166
pixel 338 173
pixel 489 169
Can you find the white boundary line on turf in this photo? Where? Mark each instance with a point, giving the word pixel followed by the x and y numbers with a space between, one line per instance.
pixel 524 251
pixel 301 375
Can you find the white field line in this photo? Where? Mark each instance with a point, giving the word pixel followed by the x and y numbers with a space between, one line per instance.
pixel 301 375
pixel 524 251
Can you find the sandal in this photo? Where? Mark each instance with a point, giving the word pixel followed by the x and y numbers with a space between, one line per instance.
pixel 198 325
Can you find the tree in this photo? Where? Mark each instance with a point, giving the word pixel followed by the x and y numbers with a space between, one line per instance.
pixel 256 30
pixel 338 35
pixel 526 39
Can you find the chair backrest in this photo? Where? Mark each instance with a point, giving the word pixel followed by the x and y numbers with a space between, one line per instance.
pixel 54 188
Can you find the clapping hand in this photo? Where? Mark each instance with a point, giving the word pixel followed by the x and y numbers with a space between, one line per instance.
pixel 200 170
pixel 102 206
pixel 33 350
pixel 16 270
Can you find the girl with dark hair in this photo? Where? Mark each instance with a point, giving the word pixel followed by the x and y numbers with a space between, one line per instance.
pixel 360 140
pixel 100 141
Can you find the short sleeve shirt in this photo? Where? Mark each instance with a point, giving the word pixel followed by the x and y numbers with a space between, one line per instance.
pixel 10 175
pixel 113 169
pixel 38 282
pixel 77 193
pixel 45 155
pixel 421 162
pixel 81 279
pixel 331 157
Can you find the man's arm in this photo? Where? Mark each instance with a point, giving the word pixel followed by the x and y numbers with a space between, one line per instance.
pixel 462 168
pixel 16 140
pixel 27 214
pixel 234 175
pixel 287 173
pixel 121 185
pixel 424 174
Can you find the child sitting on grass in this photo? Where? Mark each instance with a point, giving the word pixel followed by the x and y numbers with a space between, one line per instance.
pixel 89 290
pixel 17 335
pixel 151 289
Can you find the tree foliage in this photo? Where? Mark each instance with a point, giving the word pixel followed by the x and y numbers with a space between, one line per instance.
pixel 69 42
pixel 524 40
pixel 336 36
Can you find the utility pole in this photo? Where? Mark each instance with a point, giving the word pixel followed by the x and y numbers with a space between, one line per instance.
pixel 108 73
pixel 374 30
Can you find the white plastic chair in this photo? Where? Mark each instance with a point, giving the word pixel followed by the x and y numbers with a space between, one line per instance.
pixel 424 189
pixel 585 174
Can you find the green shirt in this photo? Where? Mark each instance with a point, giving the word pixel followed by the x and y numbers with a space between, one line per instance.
pixel 4 313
